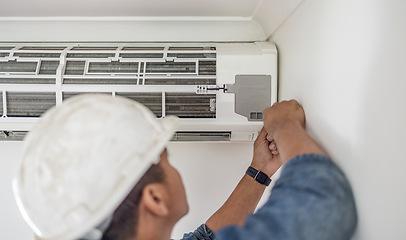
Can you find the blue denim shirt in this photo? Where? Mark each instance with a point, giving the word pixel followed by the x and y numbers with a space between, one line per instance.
pixel 312 200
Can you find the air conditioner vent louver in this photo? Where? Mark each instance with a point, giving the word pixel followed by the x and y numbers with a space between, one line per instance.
pixel 1 103
pixel 37 55
pixel 171 67
pixel 151 100
pixel 27 80
pixel 143 48
pixel 186 105
pixel 75 67
pixel 48 67
pixel 6 48
pixel 89 55
pixel 164 78
pixel 201 136
pixel 113 67
pixel 141 55
pixel 12 136
pixel 40 48
pixel 67 95
pixel 18 67
pixel 180 81
pixel 29 104
pixel 94 48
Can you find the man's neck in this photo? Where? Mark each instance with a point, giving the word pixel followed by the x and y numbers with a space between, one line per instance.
pixel 154 231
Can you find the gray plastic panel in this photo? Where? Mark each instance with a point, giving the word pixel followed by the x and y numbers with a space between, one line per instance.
pixel 252 95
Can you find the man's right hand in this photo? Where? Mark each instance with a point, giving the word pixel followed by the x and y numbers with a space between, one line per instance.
pixel 282 114
pixel 284 122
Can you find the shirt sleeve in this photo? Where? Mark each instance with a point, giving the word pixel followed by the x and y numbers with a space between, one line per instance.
pixel 312 200
pixel 201 233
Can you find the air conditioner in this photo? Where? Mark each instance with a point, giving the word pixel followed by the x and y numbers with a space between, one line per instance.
pixel 217 89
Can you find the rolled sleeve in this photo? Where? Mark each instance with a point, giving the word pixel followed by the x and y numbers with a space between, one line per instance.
pixel 312 200
pixel 201 233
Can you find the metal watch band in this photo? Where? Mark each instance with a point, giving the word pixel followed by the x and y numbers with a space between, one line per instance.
pixel 259 176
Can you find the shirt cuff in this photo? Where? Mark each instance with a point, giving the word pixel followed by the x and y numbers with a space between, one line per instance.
pixel 201 233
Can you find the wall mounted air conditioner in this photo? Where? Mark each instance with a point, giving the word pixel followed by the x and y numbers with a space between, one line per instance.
pixel 217 89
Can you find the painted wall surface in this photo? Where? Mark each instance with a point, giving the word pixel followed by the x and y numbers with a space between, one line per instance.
pixel 12 225
pixel 345 62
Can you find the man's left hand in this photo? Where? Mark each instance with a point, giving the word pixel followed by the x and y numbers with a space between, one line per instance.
pixel 266 155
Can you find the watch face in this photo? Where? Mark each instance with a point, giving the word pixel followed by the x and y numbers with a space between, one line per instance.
pixel 261 177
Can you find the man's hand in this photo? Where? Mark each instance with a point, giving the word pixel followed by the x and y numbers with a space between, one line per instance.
pixel 266 157
pixel 284 122
pixel 282 114
pixel 248 192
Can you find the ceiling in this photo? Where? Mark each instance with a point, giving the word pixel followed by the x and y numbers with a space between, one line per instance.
pixel 128 8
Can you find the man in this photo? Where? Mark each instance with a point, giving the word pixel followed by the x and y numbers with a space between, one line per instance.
pixel 96 167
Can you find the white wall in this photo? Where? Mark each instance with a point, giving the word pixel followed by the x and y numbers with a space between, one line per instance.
pixel 12 225
pixel 345 61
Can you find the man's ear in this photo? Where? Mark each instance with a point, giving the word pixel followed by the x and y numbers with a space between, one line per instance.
pixel 154 198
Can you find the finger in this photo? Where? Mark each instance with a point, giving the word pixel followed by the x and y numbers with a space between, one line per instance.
pixel 262 134
pixel 272 146
pixel 274 151
pixel 269 138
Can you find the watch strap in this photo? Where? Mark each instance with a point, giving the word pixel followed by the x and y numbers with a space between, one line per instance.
pixel 259 176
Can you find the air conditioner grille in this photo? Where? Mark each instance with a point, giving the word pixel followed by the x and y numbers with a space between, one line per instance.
pixel 164 77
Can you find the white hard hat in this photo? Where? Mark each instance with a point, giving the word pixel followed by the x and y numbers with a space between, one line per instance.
pixel 81 161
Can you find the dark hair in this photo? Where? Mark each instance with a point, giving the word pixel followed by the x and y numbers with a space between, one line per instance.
pixel 124 224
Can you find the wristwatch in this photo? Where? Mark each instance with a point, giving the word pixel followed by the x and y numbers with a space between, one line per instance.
pixel 259 176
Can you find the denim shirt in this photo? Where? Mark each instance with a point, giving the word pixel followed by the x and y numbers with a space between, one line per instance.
pixel 312 200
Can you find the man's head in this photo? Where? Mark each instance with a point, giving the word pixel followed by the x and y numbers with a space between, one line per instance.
pixel 82 159
pixel 159 194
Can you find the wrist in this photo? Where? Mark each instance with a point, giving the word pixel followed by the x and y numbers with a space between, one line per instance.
pixel 258 176
pixel 263 168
